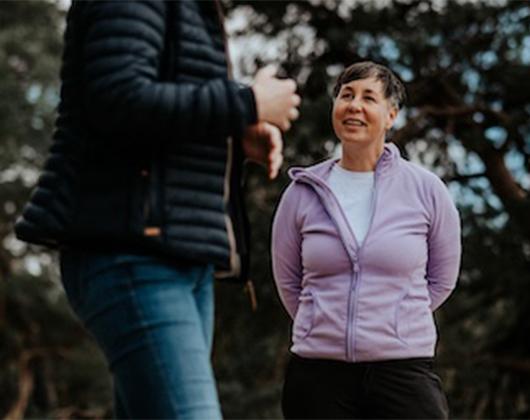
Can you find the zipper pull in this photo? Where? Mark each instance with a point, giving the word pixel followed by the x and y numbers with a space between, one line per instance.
pixel 148 230
pixel 249 288
pixel 356 267
pixel 152 231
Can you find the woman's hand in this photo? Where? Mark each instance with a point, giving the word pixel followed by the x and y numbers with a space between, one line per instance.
pixel 263 144
pixel 276 99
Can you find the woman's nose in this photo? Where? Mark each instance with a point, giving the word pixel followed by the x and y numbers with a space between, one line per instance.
pixel 355 105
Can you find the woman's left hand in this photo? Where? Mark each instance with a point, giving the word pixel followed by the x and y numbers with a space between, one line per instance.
pixel 263 144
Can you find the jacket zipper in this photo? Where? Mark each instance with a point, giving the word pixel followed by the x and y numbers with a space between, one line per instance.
pixel 350 330
pixel 354 279
pixel 152 176
pixel 235 263
pixel 350 347
pixel 152 201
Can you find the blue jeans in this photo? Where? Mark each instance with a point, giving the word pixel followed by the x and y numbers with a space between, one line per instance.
pixel 154 322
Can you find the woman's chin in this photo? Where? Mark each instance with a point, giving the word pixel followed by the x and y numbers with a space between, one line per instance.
pixel 355 140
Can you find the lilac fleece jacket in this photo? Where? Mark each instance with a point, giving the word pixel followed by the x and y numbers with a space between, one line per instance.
pixel 373 302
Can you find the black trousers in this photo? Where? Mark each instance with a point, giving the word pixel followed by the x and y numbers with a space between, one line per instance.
pixel 328 389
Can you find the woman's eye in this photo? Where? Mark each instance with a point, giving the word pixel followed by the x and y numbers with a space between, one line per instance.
pixel 369 98
pixel 346 96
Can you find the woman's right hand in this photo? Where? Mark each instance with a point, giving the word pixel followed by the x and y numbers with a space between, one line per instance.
pixel 276 99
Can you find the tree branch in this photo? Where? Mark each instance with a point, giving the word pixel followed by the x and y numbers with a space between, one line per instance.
pixel 465 178
pixel 25 386
pixel 464 110
pixel 521 365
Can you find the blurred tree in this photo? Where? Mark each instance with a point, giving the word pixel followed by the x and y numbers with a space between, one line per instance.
pixel 466 68
pixel 48 365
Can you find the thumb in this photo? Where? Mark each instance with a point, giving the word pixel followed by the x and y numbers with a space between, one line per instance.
pixel 267 72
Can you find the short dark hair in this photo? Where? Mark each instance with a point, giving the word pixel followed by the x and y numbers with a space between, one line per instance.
pixel 393 87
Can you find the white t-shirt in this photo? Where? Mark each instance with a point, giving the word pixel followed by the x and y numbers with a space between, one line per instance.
pixel 355 191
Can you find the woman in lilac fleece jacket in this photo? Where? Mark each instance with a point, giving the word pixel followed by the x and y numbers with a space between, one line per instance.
pixel 364 249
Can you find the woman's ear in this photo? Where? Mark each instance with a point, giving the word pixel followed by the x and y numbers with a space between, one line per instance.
pixel 391 117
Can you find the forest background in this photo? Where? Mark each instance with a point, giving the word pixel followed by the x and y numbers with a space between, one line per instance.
pixel 466 65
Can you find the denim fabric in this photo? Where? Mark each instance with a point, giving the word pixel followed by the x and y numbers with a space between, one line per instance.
pixel 154 322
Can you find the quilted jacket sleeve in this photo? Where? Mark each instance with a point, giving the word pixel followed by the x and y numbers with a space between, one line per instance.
pixel 121 52
pixel 286 250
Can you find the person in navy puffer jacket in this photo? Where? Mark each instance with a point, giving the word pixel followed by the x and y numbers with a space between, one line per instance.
pixel 142 190
pixel 364 249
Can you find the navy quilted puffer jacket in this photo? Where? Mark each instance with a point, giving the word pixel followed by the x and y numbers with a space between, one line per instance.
pixel 146 154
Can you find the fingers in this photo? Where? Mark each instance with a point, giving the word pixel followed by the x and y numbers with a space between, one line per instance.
pixel 263 144
pixel 276 99
pixel 294 114
pixel 274 166
pixel 285 125
pixel 275 140
pixel 275 157
pixel 266 72
pixel 275 163
pixel 290 85
pixel 296 100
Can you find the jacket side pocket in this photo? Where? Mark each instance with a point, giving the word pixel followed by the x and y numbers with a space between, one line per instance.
pixel 401 321
pixel 303 320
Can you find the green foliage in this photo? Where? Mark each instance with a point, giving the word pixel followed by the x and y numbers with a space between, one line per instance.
pixel 50 367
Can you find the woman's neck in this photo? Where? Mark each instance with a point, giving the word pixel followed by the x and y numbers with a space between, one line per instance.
pixel 360 158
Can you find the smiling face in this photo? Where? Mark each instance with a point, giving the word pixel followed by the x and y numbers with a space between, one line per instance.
pixel 361 113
